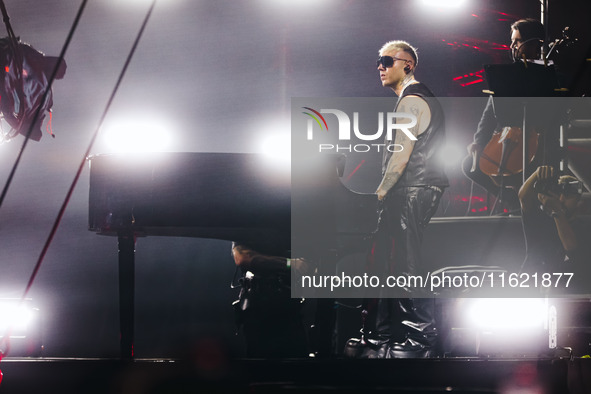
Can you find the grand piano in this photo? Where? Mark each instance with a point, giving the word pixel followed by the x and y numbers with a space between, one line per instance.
pixel 228 196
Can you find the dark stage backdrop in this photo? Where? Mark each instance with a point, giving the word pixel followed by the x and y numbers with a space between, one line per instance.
pixel 220 74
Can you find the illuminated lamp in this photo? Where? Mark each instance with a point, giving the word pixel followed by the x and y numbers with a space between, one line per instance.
pixel 22 322
pixel 502 327
pixel 277 147
pixel 506 313
pixel 273 142
pixel 136 136
pixel 444 3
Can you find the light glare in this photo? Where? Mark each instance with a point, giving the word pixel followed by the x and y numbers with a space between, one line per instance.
pixel 135 136
pixel 444 3
pixel 452 155
pixel 14 316
pixel 277 147
pixel 301 4
pixel 507 313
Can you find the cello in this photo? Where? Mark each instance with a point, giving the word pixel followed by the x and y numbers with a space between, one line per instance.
pixel 501 158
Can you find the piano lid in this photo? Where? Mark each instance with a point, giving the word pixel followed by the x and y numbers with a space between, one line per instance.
pixel 208 195
pixel 231 196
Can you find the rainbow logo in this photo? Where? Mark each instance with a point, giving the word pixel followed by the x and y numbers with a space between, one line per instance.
pixel 315 118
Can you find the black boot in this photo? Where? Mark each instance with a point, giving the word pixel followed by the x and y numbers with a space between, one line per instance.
pixel 418 319
pixel 376 331
pixel 366 348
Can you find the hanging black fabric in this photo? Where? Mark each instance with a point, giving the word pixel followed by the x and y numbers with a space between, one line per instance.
pixel 25 78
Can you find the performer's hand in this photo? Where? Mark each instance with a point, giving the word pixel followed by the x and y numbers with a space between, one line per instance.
pixel 474 148
pixel 302 266
pixel 551 203
pixel 544 173
pixel 381 194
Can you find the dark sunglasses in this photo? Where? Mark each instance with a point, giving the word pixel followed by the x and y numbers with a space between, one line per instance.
pixel 388 61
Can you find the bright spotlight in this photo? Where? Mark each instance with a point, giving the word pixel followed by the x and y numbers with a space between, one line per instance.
pixel 502 313
pixel 136 135
pixel 275 153
pixel 452 155
pixel 301 4
pixel 274 141
pixel 139 3
pixel 444 3
pixel 14 316
pixel 277 147
pixel 21 321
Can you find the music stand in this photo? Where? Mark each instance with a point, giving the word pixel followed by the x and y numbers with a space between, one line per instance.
pixel 520 79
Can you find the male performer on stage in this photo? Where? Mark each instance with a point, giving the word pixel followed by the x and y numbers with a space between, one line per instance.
pixel 527 37
pixel 411 187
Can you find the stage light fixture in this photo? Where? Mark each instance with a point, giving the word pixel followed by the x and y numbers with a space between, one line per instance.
pixel 277 147
pixel 21 321
pixel 444 3
pixel 507 313
pixel 118 4
pixel 136 135
pixel 273 140
pixel 301 4
pixel 14 316
pixel 501 327
pixel 274 149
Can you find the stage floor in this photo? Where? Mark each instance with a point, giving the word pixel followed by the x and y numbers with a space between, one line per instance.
pixel 212 374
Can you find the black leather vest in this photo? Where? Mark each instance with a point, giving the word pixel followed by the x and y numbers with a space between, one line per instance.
pixel 425 166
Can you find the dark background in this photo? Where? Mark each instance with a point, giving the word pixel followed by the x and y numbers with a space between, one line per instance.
pixel 219 73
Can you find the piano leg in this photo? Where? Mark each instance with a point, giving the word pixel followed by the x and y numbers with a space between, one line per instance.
pixel 126 245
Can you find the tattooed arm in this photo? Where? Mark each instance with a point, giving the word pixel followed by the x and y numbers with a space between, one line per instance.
pixel 398 161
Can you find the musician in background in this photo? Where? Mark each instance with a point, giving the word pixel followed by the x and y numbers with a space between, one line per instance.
pixel 527 37
pixel 271 320
pixel 411 187
pixel 553 224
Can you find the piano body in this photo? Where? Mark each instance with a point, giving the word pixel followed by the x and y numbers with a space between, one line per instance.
pixel 228 196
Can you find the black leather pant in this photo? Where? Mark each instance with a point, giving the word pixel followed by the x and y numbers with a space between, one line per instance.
pixel 403 218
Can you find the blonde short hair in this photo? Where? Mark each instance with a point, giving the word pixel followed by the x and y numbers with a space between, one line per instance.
pixel 401 46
